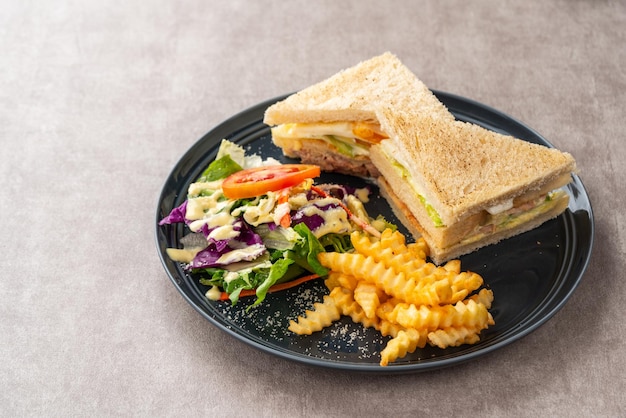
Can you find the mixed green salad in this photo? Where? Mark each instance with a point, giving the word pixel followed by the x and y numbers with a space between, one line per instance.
pixel 254 224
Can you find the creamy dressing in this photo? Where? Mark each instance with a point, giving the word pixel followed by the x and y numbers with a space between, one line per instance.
pixel 214 293
pixel 245 253
pixel 196 189
pixel 212 220
pixel 335 219
pixel 356 206
pixel 223 232
pixel 205 209
pixel 181 255
pixel 197 206
pixel 213 211
pixel 207 205
pixel 298 200
pixel 258 213
pixel 220 219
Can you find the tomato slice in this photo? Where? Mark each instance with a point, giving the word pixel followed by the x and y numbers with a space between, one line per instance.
pixel 256 181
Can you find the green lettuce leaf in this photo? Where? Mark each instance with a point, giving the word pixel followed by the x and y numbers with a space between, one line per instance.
pixel 337 242
pixel 220 169
pixel 305 252
pixel 276 272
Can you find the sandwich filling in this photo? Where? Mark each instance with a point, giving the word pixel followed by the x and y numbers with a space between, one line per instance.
pixel 352 139
pixel 516 216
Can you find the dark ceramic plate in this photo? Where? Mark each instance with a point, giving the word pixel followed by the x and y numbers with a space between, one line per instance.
pixel 531 275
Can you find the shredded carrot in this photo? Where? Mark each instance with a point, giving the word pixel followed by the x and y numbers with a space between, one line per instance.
pixel 276 287
pixel 283 197
pixel 285 221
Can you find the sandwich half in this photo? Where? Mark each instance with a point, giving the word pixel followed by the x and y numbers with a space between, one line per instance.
pixel 334 123
pixel 463 187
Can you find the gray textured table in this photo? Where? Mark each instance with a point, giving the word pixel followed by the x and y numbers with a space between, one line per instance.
pixel 98 101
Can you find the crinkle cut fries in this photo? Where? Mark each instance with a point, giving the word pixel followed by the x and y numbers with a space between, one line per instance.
pixel 388 285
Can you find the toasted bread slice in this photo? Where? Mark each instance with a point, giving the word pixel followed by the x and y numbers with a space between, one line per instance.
pixel 354 93
pixel 462 186
pixel 305 123
pixel 461 168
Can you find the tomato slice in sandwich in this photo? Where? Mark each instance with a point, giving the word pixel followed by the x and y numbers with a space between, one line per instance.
pixel 256 181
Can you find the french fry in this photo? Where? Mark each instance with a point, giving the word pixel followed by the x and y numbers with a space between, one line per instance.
pixel 464 284
pixel 407 341
pixel 419 249
pixel 393 240
pixel 484 296
pixel 368 296
pixel 323 315
pixel 453 337
pixel 453 266
pixel 387 284
pixel 332 280
pixel 463 314
pixel 431 292
pixel 341 280
pixel 390 250
pixel 387 328
pixel 344 300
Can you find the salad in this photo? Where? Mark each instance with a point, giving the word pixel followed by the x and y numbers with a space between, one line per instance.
pixel 255 224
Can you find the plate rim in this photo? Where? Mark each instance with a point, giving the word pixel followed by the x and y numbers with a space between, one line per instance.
pixel 423 364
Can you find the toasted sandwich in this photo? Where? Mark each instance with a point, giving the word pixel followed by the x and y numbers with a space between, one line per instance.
pixel 333 123
pixel 460 186
pixel 463 187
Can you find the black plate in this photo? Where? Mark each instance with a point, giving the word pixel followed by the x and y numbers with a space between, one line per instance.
pixel 532 275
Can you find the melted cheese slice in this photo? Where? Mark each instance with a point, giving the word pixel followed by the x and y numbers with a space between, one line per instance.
pixel 349 138
pixel 364 131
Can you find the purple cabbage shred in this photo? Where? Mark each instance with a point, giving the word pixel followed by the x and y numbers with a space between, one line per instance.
pixel 177 215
